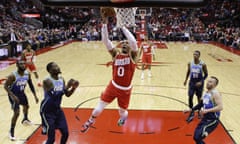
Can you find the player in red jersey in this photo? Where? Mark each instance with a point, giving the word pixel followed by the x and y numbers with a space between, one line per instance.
pixel 148 53
pixel 29 56
pixel 123 68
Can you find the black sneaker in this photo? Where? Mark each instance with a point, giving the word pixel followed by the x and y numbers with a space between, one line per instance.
pixel 26 122
pixel 190 117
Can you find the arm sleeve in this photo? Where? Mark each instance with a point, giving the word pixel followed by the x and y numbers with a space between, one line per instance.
pixel 131 40
pixel 105 38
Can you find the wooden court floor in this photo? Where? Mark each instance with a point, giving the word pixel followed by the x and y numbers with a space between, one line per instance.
pixel 86 61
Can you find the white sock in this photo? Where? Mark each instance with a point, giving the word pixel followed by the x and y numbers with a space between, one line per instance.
pixel 123 113
pixel 98 110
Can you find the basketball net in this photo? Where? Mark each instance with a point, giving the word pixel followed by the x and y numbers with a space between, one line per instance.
pixel 125 16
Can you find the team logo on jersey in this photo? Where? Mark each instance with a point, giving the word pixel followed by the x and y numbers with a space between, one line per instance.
pixel 21 83
pixel 139 64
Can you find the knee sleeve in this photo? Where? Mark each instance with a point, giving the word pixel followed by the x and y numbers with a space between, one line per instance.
pixel 99 108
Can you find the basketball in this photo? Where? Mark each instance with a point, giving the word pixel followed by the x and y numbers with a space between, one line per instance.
pixel 75 84
pixel 107 12
pixel 70 83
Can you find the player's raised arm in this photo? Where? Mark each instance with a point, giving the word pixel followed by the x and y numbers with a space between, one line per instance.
pixel 105 38
pixel 131 39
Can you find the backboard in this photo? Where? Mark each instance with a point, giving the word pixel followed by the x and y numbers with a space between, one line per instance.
pixel 127 3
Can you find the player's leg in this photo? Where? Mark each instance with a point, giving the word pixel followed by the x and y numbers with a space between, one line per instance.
pixel 142 75
pixel 16 112
pixel 199 92
pixel 15 116
pixel 144 61
pixel 24 103
pixel 95 113
pixel 149 63
pixel 25 115
pixel 123 102
pixel 61 124
pixel 106 98
pixel 204 128
pixel 198 133
pixel 50 129
pixel 191 91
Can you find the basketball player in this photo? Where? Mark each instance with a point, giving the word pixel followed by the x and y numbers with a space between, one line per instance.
pixel 148 53
pixel 29 56
pixel 123 68
pixel 15 86
pixel 196 69
pixel 211 104
pixel 51 113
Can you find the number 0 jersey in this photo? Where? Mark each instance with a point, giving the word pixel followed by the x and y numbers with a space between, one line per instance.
pixel 123 70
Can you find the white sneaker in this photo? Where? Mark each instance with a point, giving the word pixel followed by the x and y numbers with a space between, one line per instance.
pixel 142 76
pixel 11 137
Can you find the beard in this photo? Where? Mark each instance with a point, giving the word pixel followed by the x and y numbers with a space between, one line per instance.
pixel 22 69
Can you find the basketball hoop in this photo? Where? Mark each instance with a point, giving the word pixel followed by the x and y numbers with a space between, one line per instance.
pixel 125 16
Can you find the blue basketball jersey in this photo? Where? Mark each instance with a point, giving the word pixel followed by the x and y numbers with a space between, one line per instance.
pixel 57 92
pixel 20 83
pixel 208 102
pixel 196 71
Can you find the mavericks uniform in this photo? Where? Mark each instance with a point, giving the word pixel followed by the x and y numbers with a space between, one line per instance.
pixel 120 86
pixel 196 75
pixel 17 88
pixel 209 121
pixel 51 112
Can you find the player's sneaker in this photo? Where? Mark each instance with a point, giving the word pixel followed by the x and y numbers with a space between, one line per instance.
pixel 11 136
pixel 86 126
pixel 26 122
pixel 121 122
pixel 190 117
pixel 44 130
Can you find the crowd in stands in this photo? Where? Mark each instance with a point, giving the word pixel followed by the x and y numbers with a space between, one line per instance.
pixel 218 21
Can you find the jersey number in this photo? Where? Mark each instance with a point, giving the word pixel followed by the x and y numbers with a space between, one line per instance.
pixel 120 71
pixel 195 75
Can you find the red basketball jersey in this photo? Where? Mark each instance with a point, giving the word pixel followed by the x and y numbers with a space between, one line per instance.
pixel 123 70
pixel 28 56
pixel 146 49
